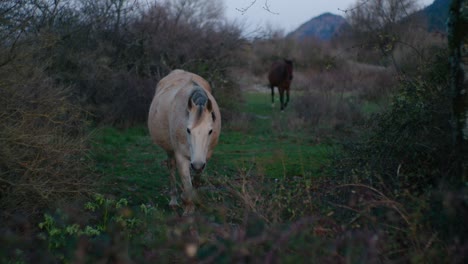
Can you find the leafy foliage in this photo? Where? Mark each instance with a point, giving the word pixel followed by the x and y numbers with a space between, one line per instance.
pixel 110 226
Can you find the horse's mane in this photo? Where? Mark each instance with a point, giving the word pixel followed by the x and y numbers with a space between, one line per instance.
pixel 200 99
pixel 198 95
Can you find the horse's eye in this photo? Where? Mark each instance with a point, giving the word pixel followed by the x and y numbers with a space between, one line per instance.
pixel 211 131
pixel 188 130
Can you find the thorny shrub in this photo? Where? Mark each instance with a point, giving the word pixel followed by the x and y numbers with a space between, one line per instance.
pixel 43 141
pixel 409 144
pixel 396 178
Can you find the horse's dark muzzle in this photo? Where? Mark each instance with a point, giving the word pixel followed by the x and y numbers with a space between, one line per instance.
pixel 197 166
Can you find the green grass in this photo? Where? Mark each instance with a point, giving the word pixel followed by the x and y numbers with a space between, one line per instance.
pixel 275 156
pixel 270 144
pixel 260 104
pixel 131 165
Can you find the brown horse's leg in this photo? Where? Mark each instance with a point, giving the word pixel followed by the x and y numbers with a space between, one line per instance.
pixel 287 98
pixel 281 92
pixel 272 95
pixel 188 195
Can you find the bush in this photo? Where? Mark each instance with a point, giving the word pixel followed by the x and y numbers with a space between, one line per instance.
pixel 112 58
pixel 327 101
pixel 409 145
pixel 43 141
pixel 397 177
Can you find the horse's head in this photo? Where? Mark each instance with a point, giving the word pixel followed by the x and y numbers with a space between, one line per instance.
pixel 199 128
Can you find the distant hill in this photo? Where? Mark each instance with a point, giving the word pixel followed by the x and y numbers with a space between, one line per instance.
pixel 327 25
pixel 322 27
pixel 436 15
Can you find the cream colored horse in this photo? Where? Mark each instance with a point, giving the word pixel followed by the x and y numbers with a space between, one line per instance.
pixel 184 120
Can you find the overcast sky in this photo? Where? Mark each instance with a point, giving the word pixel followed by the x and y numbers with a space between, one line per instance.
pixel 286 14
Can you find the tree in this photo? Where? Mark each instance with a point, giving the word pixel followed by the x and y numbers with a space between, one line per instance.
pixel 379 24
pixel 196 12
pixel 457 35
pixel 379 15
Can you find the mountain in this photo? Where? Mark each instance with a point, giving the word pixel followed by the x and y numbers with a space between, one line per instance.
pixel 323 27
pixel 327 25
pixel 436 15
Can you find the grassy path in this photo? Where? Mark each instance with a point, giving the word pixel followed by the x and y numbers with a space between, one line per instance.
pixel 132 166
pixel 267 143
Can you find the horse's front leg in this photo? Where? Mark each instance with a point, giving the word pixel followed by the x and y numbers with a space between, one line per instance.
pixel 281 92
pixel 188 194
pixel 171 163
pixel 287 98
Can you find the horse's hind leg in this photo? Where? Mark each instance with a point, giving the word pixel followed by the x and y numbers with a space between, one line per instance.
pixel 281 92
pixel 272 95
pixel 287 98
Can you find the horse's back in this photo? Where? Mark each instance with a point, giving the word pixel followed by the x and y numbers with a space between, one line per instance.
pixel 275 75
pixel 280 71
pixel 179 78
pixel 167 99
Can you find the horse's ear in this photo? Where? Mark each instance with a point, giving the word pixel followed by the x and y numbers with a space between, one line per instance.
pixel 209 105
pixel 190 104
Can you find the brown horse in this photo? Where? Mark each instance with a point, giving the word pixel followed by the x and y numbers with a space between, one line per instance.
pixel 280 75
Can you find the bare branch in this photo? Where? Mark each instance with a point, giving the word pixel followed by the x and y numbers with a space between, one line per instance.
pixel 354 8
pixel 243 10
pixel 266 7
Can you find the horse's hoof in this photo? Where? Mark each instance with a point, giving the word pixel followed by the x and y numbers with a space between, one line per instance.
pixel 173 202
pixel 188 213
pixel 189 210
pixel 175 208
